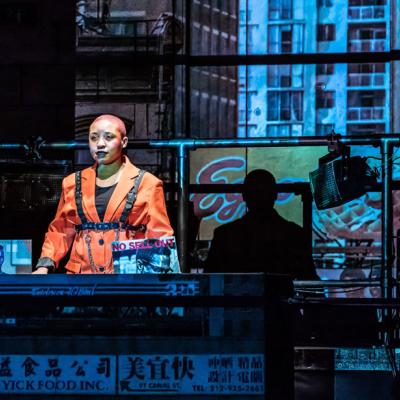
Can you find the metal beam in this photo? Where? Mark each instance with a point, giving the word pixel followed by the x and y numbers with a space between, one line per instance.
pixel 127 58
pixel 183 146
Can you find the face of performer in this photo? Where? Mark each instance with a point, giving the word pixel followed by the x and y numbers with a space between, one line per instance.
pixel 106 140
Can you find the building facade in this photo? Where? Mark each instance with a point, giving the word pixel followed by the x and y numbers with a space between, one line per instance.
pixel 307 100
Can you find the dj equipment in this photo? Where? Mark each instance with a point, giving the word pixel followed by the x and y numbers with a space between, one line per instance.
pixel 136 289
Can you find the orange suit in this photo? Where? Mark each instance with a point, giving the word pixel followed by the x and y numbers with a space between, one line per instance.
pixel 149 209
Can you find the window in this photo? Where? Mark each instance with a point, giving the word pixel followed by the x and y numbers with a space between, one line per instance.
pixel 279 76
pixel 280 9
pixel 286 41
pixel 365 105
pixel 369 68
pixel 365 129
pixel 284 130
pixel 366 98
pixel 366 74
pixel 285 76
pixel 326 32
pixel 285 38
pixel 367 32
pixel 325 99
pixel 367 37
pixel 366 11
pixel 285 106
pixel 325 69
pixel 367 2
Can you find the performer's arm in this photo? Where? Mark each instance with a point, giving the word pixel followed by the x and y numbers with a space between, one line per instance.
pixel 58 239
pixel 158 224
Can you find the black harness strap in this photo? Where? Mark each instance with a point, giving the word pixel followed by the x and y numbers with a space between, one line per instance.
pixel 78 197
pixel 97 226
pixel 131 198
pixel 107 226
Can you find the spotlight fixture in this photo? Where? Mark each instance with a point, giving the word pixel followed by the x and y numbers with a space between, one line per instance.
pixel 340 178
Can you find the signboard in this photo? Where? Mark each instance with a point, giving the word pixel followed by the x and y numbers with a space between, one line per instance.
pixel 137 374
pixel 57 374
pixel 146 256
pixel 219 374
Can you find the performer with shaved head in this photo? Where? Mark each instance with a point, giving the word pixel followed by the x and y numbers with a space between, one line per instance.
pixel 110 201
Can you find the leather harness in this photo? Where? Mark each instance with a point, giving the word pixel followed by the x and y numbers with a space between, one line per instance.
pixel 106 226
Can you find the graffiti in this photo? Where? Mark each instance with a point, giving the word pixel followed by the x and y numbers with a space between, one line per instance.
pixel 284 198
pixel 226 207
pixel 357 219
pixel 223 207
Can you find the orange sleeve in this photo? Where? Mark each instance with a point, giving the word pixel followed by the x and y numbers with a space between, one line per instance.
pixel 60 233
pixel 158 222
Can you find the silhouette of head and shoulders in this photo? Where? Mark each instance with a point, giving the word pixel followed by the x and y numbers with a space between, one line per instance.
pixel 262 240
pixel 259 193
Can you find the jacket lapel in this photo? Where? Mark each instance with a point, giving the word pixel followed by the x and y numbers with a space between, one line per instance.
pixel 88 194
pixel 125 184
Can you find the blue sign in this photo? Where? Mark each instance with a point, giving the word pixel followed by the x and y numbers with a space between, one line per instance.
pixel 57 374
pixel 219 374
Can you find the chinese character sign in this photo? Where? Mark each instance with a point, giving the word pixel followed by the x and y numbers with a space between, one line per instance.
pixel 192 374
pixel 172 374
pixel 58 374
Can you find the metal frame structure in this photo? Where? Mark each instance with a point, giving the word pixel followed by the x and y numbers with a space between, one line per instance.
pixel 184 146
pixel 388 305
pixel 386 143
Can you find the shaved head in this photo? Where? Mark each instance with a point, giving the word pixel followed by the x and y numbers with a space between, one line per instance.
pixel 107 138
pixel 112 119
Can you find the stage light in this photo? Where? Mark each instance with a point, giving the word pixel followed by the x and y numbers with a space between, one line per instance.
pixel 341 180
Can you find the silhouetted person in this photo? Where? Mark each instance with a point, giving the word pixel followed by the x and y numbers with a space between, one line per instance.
pixel 261 241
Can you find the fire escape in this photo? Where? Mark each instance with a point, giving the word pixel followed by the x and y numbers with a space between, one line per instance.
pixel 141 93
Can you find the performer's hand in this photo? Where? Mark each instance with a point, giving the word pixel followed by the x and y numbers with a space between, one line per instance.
pixel 41 271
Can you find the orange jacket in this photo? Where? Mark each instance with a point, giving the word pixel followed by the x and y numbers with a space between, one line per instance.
pixel 149 209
